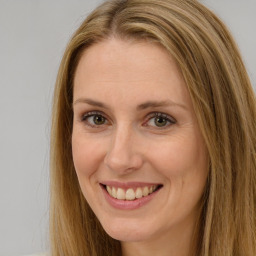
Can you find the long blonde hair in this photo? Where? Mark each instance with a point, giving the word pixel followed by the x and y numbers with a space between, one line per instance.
pixel 225 106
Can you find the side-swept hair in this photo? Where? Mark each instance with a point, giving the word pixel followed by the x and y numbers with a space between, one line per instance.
pixel 224 103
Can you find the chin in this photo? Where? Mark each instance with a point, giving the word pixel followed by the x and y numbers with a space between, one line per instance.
pixel 127 232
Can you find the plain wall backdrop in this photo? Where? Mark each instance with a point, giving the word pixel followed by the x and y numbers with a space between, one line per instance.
pixel 33 35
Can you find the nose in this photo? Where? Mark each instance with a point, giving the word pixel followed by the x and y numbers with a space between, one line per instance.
pixel 123 154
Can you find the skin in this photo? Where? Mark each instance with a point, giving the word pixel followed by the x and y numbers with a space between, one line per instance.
pixel 129 145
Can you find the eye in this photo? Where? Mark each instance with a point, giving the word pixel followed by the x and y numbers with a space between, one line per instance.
pixel 160 120
pixel 94 119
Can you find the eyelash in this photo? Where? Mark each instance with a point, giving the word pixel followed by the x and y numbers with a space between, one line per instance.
pixel 86 116
pixel 165 117
pixel 170 120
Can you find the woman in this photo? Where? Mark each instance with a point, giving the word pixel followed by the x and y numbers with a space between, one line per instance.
pixel 153 136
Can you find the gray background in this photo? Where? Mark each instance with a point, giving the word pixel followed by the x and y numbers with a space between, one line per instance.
pixel 33 35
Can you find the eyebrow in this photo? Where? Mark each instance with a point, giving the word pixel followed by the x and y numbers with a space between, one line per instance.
pixel 91 102
pixel 143 106
pixel 155 104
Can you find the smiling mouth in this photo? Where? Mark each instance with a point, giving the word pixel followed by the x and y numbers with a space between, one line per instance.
pixel 131 194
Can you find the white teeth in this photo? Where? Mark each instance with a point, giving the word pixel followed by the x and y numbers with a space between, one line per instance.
pixel 120 194
pixel 138 193
pixel 130 194
pixel 113 192
pixel 109 190
pixel 145 191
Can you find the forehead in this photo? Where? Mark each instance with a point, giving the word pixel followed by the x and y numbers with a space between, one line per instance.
pixel 113 54
pixel 121 67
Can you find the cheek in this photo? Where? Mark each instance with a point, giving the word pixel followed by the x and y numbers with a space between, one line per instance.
pixel 180 157
pixel 87 155
pixel 183 162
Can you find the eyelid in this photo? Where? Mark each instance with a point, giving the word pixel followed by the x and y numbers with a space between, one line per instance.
pixel 85 116
pixel 151 115
pixel 163 115
pixel 92 113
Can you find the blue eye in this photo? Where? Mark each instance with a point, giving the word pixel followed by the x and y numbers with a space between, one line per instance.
pixel 160 120
pixel 94 119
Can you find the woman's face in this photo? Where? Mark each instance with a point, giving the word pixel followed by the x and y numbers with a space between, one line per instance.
pixel 138 152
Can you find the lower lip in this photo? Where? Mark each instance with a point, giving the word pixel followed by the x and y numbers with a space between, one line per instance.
pixel 127 204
